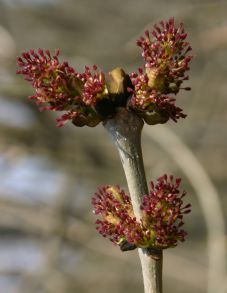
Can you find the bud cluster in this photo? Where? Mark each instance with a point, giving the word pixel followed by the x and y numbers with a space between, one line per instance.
pixel 166 62
pixel 160 226
pixel 163 210
pixel 118 221
pixel 152 106
pixel 60 88
pixel 90 97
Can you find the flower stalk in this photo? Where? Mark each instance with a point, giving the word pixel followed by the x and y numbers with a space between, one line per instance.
pixel 125 129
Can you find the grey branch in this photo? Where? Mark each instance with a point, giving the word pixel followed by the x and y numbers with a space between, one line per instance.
pixel 125 129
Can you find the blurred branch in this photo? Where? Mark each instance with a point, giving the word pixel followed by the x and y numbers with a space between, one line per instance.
pixel 208 198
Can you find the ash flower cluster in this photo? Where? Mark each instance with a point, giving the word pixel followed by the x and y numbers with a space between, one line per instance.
pixel 163 210
pixel 89 97
pixel 118 220
pixel 161 224
pixel 60 88
pixel 165 53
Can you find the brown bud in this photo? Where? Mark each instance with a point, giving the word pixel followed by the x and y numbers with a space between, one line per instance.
pixel 77 85
pixel 153 118
pixel 82 120
pixel 156 80
pixel 79 121
pixel 117 81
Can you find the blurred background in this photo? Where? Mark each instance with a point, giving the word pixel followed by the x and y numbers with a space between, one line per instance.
pixel 48 241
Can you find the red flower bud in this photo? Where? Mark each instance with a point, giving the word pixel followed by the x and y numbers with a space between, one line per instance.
pixel 166 62
pixel 161 224
pixel 60 88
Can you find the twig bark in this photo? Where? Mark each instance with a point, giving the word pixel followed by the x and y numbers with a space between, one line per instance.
pixel 125 129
